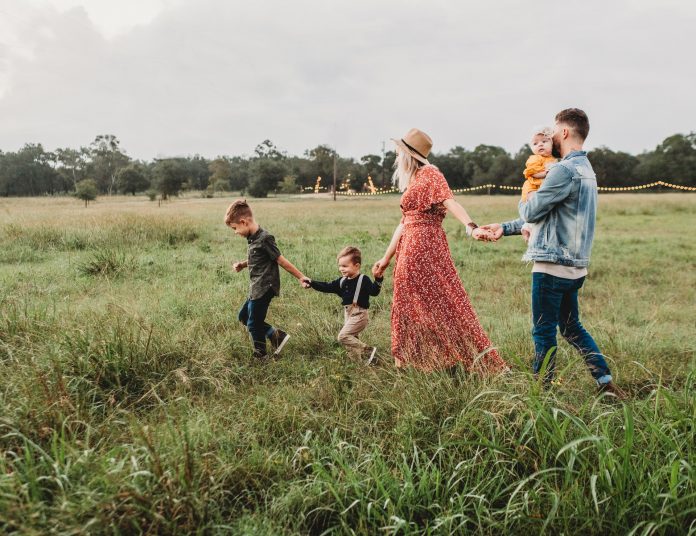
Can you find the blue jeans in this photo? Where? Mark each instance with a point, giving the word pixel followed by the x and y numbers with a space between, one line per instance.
pixel 253 316
pixel 555 305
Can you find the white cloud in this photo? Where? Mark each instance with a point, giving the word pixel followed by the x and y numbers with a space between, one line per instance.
pixel 111 18
pixel 218 77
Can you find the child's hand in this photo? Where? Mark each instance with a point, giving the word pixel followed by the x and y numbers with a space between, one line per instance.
pixel 239 266
pixel 306 282
pixel 378 269
pixel 526 234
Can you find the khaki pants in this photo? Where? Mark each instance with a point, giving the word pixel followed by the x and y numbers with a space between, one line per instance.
pixel 356 319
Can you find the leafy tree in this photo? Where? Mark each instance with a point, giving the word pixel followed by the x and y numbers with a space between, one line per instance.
pixel 388 164
pixel 372 164
pixel 86 190
pixel 457 166
pixel 107 158
pixel 508 170
pixel 266 170
pixel 322 162
pixel 198 172
pixel 72 164
pixel 504 171
pixel 302 169
pixel 351 172
pixel 674 160
pixel 266 174
pixel 29 171
pixel 484 157
pixel 220 174
pixel 289 185
pixel 132 178
pixel 613 168
pixel 169 174
pixel 485 164
pixel 239 173
pixel 267 149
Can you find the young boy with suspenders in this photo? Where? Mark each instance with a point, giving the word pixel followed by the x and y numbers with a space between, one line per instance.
pixel 355 290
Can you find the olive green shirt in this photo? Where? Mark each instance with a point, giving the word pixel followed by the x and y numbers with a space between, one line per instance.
pixel 262 261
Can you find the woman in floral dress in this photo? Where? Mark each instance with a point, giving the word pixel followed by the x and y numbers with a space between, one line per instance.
pixel 433 324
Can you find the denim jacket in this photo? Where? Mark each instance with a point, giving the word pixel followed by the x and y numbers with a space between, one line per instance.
pixel 564 209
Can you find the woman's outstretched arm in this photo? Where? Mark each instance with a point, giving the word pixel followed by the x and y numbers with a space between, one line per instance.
pixel 381 265
pixel 462 215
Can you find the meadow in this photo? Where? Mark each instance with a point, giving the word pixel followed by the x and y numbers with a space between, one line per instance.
pixel 129 402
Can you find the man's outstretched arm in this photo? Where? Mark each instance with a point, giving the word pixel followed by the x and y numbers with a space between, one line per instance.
pixel 512 227
pixel 506 228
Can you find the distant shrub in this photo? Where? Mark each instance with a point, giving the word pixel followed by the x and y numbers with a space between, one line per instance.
pixel 107 263
pixel 86 190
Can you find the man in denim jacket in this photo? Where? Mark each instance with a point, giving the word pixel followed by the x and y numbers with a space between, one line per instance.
pixel 564 209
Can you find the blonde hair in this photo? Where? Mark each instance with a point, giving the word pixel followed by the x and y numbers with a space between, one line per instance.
pixel 547 132
pixel 236 211
pixel 405 166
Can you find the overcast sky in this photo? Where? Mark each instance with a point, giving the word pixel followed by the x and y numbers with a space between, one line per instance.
pixel 179 77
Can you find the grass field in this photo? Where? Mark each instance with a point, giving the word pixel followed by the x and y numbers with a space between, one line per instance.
pixel 129 402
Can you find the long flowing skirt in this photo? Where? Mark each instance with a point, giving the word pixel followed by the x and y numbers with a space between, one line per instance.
pixel 433 323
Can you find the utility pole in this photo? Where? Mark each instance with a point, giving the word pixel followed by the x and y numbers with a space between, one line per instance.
pixel 334 175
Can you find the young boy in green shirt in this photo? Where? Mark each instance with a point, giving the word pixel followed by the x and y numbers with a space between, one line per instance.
pixel 263 259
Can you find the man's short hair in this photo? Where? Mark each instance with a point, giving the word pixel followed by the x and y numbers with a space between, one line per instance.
pixel 238 210
pixel 576 119
pixel 352 252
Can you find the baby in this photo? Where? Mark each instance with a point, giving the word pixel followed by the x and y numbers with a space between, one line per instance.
pixel 537 166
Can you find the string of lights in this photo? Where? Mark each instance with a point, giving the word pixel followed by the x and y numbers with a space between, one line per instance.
pixel 649 185
pixel 380 191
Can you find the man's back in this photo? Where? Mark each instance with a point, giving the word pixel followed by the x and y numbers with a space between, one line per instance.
pixel 565 208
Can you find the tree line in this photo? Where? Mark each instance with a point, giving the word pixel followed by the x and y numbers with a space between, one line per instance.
pixel 104 168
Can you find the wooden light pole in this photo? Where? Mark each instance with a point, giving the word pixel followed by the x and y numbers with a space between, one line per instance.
pixel 334 175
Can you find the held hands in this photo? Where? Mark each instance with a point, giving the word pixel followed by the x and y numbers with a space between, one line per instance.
pixel 239 266
pixel 379 267
pixel 306 282
pixel 491 232
pixel 482 234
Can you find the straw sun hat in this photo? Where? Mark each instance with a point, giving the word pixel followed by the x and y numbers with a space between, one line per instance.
pixel 416 143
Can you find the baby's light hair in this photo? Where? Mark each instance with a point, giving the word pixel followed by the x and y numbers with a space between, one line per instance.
pixel 547 132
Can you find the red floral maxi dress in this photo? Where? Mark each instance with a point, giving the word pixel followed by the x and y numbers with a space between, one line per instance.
pixel 433 323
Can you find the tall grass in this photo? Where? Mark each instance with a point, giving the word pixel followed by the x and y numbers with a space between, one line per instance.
pixel 129 403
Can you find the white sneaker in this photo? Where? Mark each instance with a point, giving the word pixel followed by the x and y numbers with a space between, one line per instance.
pixel 373 356
pixel 278 340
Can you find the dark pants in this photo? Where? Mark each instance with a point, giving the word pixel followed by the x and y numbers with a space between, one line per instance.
pixel 253 316
pixel 555 305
